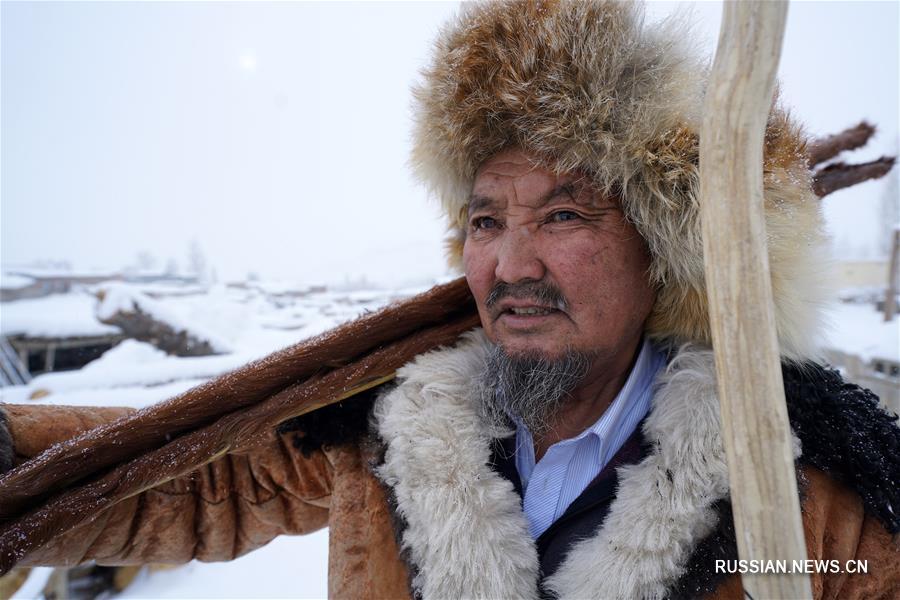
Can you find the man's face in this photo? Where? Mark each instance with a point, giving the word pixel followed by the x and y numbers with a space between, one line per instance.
pixel 553 264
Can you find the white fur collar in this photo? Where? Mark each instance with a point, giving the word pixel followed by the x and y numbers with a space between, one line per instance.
pixel 466 534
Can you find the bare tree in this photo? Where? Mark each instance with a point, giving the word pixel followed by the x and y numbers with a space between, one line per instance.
pixel 171 267
pixel 197 264
pixel 145 260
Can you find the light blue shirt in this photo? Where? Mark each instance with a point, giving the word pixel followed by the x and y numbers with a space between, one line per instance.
pixel 568 466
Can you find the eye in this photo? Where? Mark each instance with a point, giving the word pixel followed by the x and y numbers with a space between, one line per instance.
pixel 481 223
pixel 562 216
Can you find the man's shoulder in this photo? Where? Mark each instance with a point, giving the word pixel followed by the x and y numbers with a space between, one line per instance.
pixel 447 372
pixel 846 434
pixel 849 471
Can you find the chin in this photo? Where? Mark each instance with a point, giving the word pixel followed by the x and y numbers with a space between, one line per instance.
pixel 531 349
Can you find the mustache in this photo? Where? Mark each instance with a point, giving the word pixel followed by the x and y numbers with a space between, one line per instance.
pixel 542 293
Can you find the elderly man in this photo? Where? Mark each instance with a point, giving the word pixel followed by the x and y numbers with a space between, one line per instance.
pixel 570 448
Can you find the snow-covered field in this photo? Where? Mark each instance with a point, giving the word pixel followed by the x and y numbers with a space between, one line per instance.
pixel 247 322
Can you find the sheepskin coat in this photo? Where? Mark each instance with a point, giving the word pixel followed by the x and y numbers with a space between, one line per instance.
pixel 417 507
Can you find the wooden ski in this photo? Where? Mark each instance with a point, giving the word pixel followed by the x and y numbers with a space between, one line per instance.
pixel 755 428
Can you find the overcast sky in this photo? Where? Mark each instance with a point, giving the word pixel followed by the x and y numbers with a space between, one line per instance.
pixel 276 135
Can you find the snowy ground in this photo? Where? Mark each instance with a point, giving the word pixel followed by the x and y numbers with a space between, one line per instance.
pixel 249 322
pixel 860 329
pixel 290 566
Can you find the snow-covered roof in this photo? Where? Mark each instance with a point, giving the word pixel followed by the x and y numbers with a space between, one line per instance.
pixel 11 281
pixel 125 298
pixel 55 316
pixel 57 272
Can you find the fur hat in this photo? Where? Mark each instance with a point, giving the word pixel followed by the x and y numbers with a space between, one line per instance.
pixel 585 85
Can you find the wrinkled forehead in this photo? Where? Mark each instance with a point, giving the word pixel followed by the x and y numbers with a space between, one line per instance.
pixel 521 177
pixel 534 190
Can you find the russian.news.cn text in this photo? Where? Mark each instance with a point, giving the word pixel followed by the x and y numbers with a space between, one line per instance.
pixel 756 566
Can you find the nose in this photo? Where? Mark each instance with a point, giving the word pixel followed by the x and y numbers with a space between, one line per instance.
pixel 518 258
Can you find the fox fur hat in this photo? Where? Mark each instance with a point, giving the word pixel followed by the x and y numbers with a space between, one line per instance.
pixel 587 86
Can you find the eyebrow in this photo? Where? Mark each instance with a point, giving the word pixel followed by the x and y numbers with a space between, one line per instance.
pixel 477 202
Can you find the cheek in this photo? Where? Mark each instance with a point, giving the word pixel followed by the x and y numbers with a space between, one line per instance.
pixel 478 270
pixel 629 296
pixel 607 274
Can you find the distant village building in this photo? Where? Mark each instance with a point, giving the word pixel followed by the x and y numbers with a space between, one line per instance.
pixel 21 285
pixel 861 273
pixel 55 332
pixel 46 325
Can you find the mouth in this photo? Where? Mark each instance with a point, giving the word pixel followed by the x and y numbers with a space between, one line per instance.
pixel 525 305
pixel 529 311
pixel 525 315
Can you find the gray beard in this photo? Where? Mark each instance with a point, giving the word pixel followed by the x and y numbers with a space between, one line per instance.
pixel 528 388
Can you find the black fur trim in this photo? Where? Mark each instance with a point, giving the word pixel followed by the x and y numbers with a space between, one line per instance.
pixel 700 577
pixel 345 422
pixel 845 433
pixel 7 452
